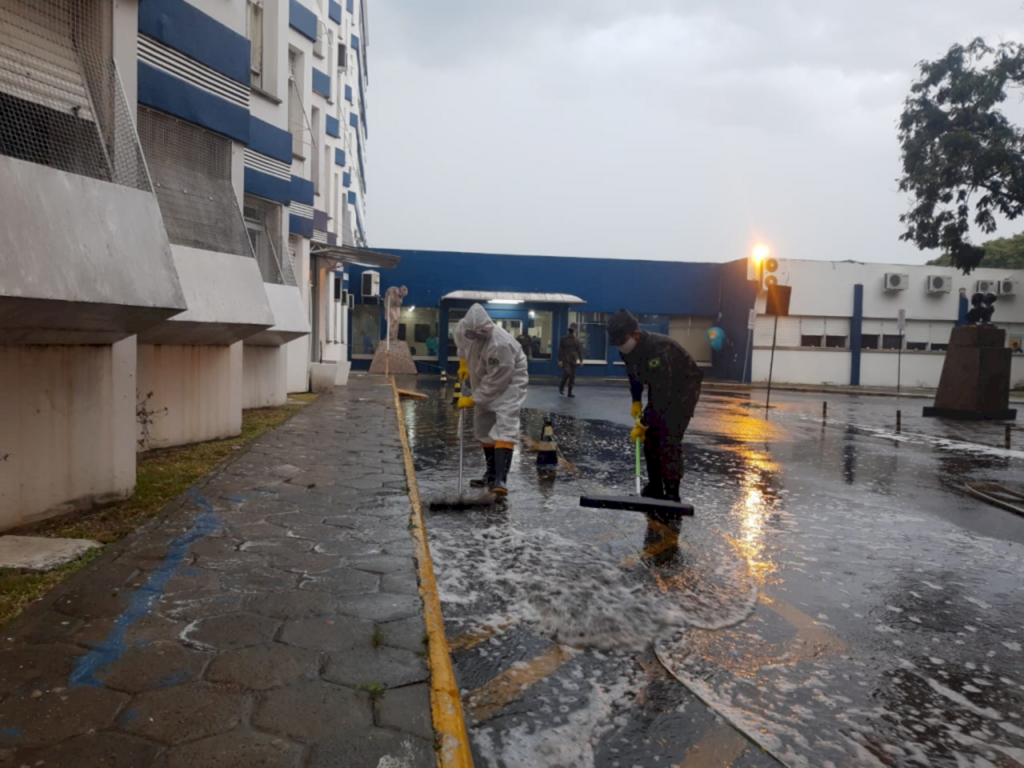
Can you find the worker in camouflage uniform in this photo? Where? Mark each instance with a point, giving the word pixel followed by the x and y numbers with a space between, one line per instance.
pixel 672 379
pixel 570 354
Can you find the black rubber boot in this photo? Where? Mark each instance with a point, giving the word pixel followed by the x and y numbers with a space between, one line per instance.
pixel 570 392
pixel 488 478
pixel 502 463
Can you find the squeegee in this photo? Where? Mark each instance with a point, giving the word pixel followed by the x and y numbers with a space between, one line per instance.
pixel 657 507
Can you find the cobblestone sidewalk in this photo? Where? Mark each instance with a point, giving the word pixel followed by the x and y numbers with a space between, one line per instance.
pixel 272 620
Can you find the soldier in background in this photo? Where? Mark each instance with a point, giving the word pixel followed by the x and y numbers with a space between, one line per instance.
pixel 570 353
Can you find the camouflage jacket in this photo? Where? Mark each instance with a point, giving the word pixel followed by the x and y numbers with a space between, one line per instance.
pixel 670 375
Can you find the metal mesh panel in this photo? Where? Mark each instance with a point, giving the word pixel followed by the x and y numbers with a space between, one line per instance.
pixel 263 222
pixel 61 100
pixel 191 170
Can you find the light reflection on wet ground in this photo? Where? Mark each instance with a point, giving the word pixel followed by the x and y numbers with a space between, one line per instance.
pixel 835 597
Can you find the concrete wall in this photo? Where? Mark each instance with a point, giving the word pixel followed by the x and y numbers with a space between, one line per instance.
pixel 197 392
pixel 794 366
pixel 67 428
pixel 264 376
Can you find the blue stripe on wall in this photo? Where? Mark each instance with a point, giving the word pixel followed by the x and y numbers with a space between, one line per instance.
pixel 320 220
pixel 350 6
pixel 334 11
pixel 355 42
pixel 302 20
pixel 270 140
pixel 352 198
pixel 339 157
pixel 187 29
pixel 333 127
pixel 321 83
pixel 300 226
pixel 856 324
pixel 348 93
pixel 346 179
pixel 264 185
pixel 302 190
pixel 170 94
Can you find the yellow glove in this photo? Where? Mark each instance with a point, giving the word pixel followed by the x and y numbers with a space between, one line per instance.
pixel 639 432
pixel 637 409
pixel 465 402
pixel 463 370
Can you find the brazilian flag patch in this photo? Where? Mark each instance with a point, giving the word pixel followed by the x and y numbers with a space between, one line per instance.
pixel 493 361
pixel 654 364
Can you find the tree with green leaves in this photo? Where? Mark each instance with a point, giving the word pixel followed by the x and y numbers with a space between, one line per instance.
pixel 1001 253
pixel 963 160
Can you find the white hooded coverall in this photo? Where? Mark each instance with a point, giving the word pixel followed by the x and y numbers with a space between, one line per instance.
pixel 497 376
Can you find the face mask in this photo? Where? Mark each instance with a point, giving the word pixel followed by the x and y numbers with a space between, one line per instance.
pixel 628 347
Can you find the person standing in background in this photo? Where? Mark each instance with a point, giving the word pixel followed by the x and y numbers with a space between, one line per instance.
pixel 570 354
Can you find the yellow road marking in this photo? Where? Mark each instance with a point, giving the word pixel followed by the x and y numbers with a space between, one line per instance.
pixel 445 703
pixel 720 747
pixel 497 693
pixel 812 639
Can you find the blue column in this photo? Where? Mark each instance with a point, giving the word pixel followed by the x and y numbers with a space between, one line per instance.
pixel 442 337
pixel 961 318
pixel 855 327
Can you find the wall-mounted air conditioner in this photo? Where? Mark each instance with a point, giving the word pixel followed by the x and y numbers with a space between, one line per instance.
pixel 1007 287
pixel 940 284
pixel 986 286
pixel 896 282
pixel 371 284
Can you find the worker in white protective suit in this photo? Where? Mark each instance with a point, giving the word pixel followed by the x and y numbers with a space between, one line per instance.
pixel 494 362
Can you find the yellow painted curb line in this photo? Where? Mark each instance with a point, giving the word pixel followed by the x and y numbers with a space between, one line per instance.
pixel 445 703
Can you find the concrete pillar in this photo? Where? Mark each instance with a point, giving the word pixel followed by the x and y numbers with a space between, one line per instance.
pixel 264 376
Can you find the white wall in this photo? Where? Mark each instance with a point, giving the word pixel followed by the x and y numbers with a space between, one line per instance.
pixel 197 392
pixel 795 366
pixel 264 376
pixel 917 369
pixel 67 428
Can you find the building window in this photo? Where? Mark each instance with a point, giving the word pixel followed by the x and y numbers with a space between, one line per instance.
pixel 892 341
pixel 835 342
pixel 296 114
pixel 810 341
pixel 869 342
pixel 542 329
pixel 939 347
pixel 254 31
pixel 342 57
pixel 419 330
pixel 917 346
pixel 315 129
pixel 263 223
pixel 592 334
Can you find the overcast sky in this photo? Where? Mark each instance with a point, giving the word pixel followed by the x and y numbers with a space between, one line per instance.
pixel 664 129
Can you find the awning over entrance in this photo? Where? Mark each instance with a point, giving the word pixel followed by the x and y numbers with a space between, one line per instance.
pixel 510 297
pixel 347 254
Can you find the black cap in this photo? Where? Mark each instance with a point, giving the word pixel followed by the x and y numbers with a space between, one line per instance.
pixel 621 325
pixel 571 329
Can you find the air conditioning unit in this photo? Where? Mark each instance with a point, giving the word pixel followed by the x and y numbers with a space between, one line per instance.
pixel 1007 287
pixel 371 284
pixel 939 284
pixel 896 282
pixel 986 286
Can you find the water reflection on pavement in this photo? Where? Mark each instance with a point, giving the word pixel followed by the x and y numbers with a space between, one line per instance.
pixel 836 599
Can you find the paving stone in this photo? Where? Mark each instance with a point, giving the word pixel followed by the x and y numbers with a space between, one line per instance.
pixel 183 713
pixel 270 666
pixel 50 628
pixel 183 607
pixel 364 482
pixel 29 721
pixel 366 663
pixel 407 709
pixel 155 665
pixel 347 547
pixel 106 749
pixel 400 583
pixel 312 711
pixel 290 605
pixel 382 563
pixel 342 581
pixel 309 563
pixel 237 749
pixel 280 544
pixel 339 633
pixel 24 669
pixel 372 747
pixel 259 580
pixel 232 631
pixel 89 603
pixel 409 634
pixel 383 606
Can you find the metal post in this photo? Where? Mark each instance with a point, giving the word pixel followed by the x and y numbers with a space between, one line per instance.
pixel 899 365
pixel 1008 427
pixel 824 411
pixel 899 420
pixel 771 366
pixel 749 354
pixel 387 341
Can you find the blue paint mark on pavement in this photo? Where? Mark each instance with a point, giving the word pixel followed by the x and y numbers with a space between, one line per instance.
pixel 173 679
pixel 111 649
pixel 11 733
pixel 128 716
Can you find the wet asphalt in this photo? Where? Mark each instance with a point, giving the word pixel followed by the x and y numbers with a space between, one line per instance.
pixel 837 599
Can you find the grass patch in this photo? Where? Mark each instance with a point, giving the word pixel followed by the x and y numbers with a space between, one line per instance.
pixel 161 476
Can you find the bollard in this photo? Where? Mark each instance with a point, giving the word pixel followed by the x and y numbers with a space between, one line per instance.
pixel 444 377
pixel 824 410
pixel 899 420
pixel 1008 428
pixel 547 451
pixel 456 392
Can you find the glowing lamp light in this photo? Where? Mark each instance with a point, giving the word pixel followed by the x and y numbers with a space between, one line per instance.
pixel 760 253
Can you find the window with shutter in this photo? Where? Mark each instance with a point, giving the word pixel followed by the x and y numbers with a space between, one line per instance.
pixel 255 33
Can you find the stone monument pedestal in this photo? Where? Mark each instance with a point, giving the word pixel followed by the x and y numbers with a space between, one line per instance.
pixel 975 383
pixel 397 360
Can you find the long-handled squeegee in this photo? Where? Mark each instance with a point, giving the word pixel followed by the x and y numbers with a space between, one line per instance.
pixel 458 502
pixel 657 507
